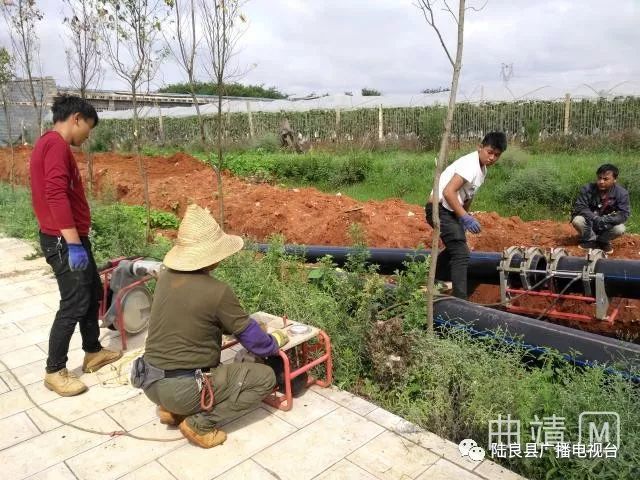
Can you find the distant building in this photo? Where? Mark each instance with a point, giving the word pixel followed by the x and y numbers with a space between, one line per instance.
pixel 24 124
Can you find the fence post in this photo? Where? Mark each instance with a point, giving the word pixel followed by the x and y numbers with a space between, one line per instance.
pixel 160 124
pixel 251 132
pixel 337 123
pixel 567 112
pixel 380 129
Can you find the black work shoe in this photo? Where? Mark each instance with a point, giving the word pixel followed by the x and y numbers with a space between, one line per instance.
pixel 588 245
pixel 606 247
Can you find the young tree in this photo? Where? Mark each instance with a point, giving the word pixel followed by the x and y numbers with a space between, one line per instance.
pixel 222 22
pixel 21 17
pixel 6 75
pixel 426 6
pixel 188 38
pixel 130 29
pixel 83 54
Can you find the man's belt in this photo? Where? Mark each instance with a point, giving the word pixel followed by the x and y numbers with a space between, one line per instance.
pixel 183 372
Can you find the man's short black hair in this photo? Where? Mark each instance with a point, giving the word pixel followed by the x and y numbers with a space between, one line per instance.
pixel 608 167
pixel 497 140
pixel 66 105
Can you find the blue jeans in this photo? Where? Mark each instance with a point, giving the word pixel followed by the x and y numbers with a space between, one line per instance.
pixel 80 293
pixel 455 256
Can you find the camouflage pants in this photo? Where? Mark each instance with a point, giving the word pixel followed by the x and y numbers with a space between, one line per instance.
pixel 237 389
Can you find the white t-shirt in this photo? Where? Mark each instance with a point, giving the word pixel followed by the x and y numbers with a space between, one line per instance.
pixel 469 168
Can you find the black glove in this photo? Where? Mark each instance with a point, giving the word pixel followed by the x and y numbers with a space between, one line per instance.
pixel 601 224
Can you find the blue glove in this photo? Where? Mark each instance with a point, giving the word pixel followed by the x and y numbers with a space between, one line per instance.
pixel 470 224
pixel 78 258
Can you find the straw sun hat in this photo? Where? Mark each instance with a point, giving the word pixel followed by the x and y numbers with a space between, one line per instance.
pixel 201 242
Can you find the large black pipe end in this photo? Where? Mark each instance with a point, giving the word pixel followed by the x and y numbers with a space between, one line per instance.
pixel 582 346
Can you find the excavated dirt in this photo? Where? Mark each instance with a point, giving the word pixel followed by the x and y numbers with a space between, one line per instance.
pixel 308 216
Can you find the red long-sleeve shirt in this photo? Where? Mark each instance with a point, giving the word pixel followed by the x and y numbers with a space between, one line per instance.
pixel 57 193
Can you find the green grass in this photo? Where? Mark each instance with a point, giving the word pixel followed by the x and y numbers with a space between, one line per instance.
pixel 117 229
pixel 452 385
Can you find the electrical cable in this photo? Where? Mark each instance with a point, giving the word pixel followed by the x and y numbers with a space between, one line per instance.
pixel 113 433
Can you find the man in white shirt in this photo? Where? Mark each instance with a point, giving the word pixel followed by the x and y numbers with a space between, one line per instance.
pixel 458 184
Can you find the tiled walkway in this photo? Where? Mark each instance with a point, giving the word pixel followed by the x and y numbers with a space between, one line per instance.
pixel 328 434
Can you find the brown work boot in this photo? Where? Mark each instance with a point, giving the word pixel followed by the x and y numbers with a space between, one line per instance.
pixel 95 361
pixel 64 383
pixel 169 418
pixel 211 439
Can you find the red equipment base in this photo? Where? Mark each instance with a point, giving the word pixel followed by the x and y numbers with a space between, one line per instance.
pixel 553 313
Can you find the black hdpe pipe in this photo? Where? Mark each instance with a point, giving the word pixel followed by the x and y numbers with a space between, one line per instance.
pixel 621 277
pixel 582 347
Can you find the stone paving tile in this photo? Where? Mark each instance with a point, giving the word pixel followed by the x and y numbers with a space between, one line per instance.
pixel 20 357
pixel 248 470
pixel 17 401
pixel 445 470
pixel 25 375
pixel 21 340
pixel 426 439
pixel 24 312
pixel 490 470
pixel 57 472
pixel 68 409
pixel 391 456
pixel 16 429
pixel 345 470
pixel 9 330
pixel 124 454
pixel 316 447
pixel 29 299
pixel 442 447
pixel 245 437
pixel 151 471
pixel 326 435
pixel 134 412
pixel 346 399
pixel 35 323
pixel 307 408
pixel 46 450
pixel 15 278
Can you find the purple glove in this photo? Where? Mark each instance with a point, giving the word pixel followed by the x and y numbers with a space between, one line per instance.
pixel 470 224
pixel 78 258
pixel 256 341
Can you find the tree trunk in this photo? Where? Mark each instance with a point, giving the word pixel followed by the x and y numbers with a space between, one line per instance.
pixel 203 136
pixel 7 117
pixel 442 158
pixel 141 166
pixel 220 158
pixel 89 156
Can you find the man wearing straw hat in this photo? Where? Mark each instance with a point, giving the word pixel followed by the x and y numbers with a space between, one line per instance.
pixel 191 310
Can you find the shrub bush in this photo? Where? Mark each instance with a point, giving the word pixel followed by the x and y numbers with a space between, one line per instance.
pixel 542 187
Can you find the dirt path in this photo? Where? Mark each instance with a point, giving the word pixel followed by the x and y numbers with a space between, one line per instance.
pixel 308 216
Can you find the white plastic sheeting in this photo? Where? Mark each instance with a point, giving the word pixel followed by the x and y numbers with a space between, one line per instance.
pixel 495 93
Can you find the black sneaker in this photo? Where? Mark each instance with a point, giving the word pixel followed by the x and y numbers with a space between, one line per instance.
pixel 588 245
pixel 606 247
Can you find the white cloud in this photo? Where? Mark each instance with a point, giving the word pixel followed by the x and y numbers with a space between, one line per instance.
pixel 343 45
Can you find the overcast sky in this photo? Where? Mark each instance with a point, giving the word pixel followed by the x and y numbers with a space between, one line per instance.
pixel 302 46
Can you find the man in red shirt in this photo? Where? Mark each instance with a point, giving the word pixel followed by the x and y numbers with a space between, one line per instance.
pixel 64 218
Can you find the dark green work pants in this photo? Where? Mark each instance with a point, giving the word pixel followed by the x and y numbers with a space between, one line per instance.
pixel 237 389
